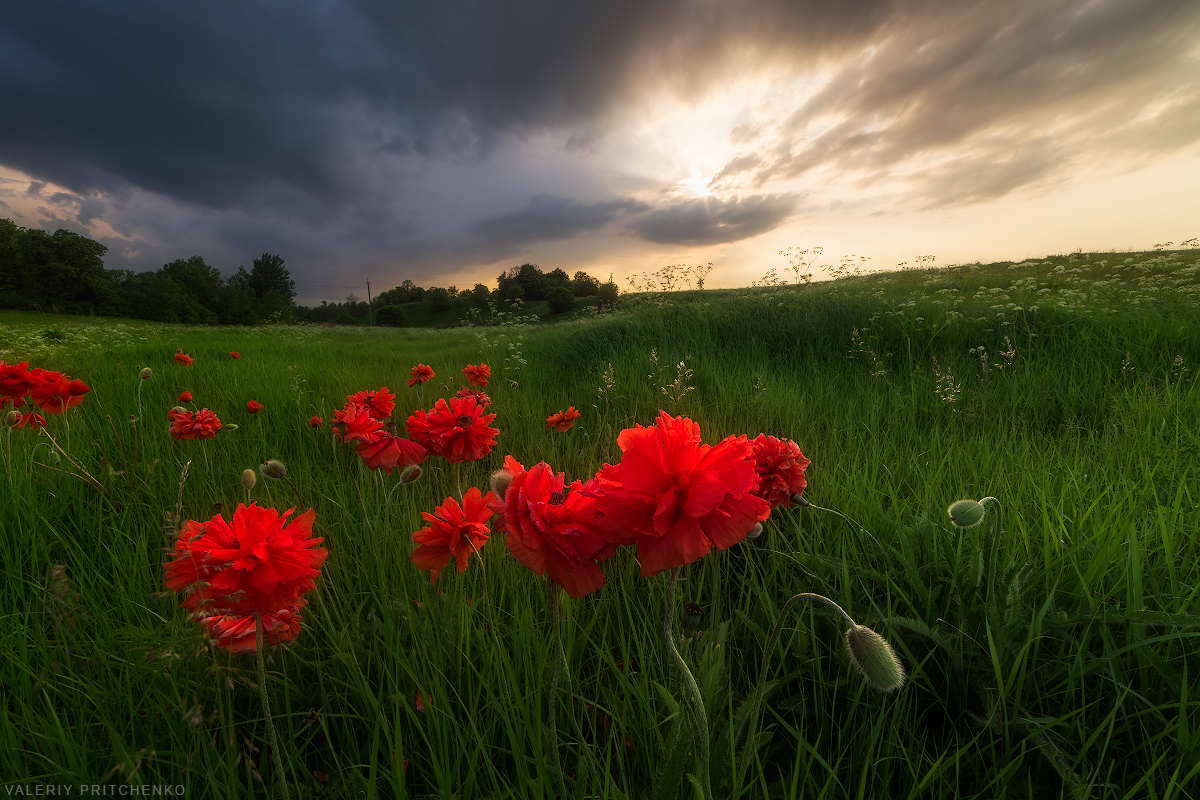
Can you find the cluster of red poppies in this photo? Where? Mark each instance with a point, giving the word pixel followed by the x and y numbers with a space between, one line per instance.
pixel 671 495
pixel 50 391
pixel 256 567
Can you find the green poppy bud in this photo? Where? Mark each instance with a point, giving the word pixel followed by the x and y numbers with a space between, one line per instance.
pixel 410 474
pixel 501 478
pixel 966 513
pixel 756 531
pixel 232 426
pixel 874 658
pixel 249 478
pixel 145 373
pixel 12 418
pixel 275 470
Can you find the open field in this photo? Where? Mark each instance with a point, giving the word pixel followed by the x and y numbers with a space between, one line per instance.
pixel 1057 657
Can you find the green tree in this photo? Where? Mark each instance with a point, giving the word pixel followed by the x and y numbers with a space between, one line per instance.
pixel 584 285
pixel 560 299
pixel 202 282
pixel 531 280
pixel 390 316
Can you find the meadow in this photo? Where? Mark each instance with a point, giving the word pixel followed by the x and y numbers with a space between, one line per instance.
pixel 1051 651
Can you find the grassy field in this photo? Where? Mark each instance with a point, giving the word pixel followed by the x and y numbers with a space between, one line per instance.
pixel 1053 657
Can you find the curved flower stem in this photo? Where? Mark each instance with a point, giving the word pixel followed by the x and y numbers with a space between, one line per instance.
pixel 266 702
pixel 701 718
pixel 752 718
pixel 992 544
pixel 854 526
pixel 458 479
pixel 559 669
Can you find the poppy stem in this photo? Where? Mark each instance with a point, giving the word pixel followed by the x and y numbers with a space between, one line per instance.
pixel 458 479
pixel 751 719
pixel 266 702
pixel 700 717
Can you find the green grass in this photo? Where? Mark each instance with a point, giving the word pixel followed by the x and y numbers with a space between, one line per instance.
pixel 1060 662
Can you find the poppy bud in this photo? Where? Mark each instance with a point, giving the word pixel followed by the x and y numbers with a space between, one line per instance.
pixel 275 470
pixel 756 531
pixel 232 426
pixel 249 479
pixel 145 373
pixel 874 658
pixel 966 513
pixel 410 474
pixel 501 478
pixel 12 418
pixel 180 410
pixel 800 501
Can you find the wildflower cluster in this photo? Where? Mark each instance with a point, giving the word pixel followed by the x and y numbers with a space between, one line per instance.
pixel 52 392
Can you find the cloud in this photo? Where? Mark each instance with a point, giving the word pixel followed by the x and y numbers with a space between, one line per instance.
pixel 550 218
pixel 709 220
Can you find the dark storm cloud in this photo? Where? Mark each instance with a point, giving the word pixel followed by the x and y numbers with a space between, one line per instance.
pixel 218 127
pixel 549 218
pixel 708 220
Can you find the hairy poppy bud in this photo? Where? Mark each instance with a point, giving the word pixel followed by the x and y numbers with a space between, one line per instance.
pixel 874 658
pixel 180 410
pixel 756 531
pixel 410 474
pixel 966 513
pixel 275 470
pixel 232 426
pixel 12 418
pixel 501 478
pixel 249 479
pixel 145 373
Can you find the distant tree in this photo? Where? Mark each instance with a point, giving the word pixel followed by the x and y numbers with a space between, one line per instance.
pixel 532 281
pixel 515 292
pixel 560 299
pixel 268 274
pixel 64 271
pixel 479 296
pixel 202 282
pixel 557 277
pixel 606 294
pixel 438 299
pixel 390 317
pixel 584 285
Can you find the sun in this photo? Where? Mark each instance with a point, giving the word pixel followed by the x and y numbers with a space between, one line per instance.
pixel 697 184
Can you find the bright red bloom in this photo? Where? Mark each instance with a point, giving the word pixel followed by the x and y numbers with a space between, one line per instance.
pixel 355 423
pixel 456 431
pixel 780 467
pixel 32 419
pixel 481 398
pixel 202 424
pixel 183 358
pixel 55 392
pixel 14 380
pixel 677 498
pixel 563 421
pixel 234 354
pixel 551 527
pixel 186 397
pixel 420 374
pixel 258 563
pixel 390 451
pixel 454 532
pixel 315 422
pixel 379 403
pixel 478 375
pixel 253 406
pixel 237 634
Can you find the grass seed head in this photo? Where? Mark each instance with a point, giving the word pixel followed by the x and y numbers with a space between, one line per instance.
pixel 874 658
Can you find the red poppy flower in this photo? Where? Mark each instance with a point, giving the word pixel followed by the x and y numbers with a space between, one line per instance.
pixel 14 380
pixel 315 422
pixel 481 398
pixel 551 527
pixel 478 375
pixel 32 419
pixel 390 451
pixel 234 354
pixel 454 532
pixel 183 358
pixel 55 392
pixel 563 421
pixel 237 634
pixel 253 406
pixel 186 397
pixel 677 498
pixel 780 467
pixel 258 563
pixel 420 374
pixel 379 403
pixel 355 423
pixel 202 424
pixel 457 430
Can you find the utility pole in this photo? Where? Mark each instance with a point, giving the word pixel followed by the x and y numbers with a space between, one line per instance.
pixel 370 311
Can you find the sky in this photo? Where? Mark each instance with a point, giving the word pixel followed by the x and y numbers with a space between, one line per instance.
pixel 444 142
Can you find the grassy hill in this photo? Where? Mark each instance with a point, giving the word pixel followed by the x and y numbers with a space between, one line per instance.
pixel 1051 650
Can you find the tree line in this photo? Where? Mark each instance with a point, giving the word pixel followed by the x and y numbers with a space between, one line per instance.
pixel 63 272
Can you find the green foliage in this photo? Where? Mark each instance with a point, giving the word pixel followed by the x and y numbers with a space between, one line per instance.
pixel 390 316
pixel 606 295
pixel 560 300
